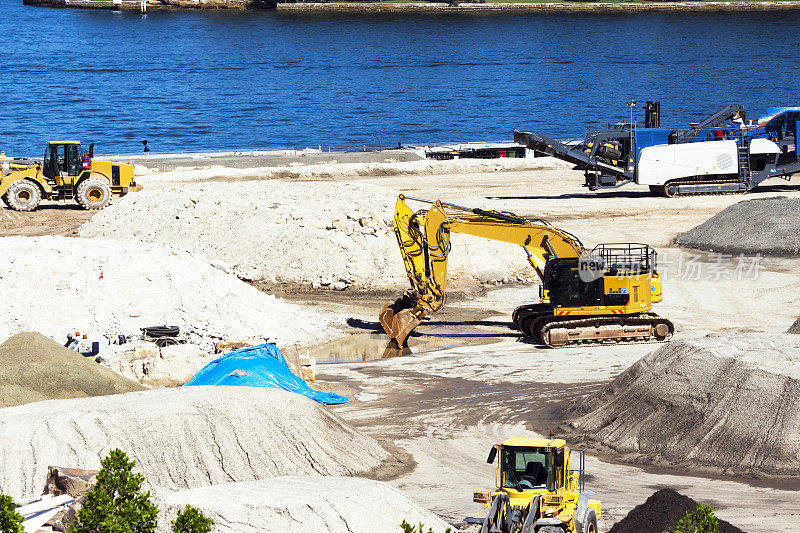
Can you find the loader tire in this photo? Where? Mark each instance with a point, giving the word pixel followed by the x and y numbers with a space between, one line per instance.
pixel 23 195
pixel 5 200
pixel 591 522
pixel 94 194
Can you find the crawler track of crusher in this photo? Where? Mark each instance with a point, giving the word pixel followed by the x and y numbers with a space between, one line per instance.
pixel 537 322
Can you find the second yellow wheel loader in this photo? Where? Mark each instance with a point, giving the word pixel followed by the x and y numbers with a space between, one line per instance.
pixel 603 295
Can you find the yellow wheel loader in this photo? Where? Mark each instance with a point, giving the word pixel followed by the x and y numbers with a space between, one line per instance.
pixel 603 295
pixel 539 489
pixel 66 172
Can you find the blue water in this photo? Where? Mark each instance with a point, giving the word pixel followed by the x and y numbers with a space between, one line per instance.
pixel 208 81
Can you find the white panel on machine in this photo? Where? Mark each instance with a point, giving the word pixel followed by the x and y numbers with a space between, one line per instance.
pixel 659 164
pixel 763 146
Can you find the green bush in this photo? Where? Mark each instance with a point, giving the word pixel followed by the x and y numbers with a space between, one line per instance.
pixel 10 519
pixel 117 504
pixel 191 520
pixel 701 520
pixel 408 528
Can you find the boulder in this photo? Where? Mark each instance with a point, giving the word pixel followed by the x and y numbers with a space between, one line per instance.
pixel 72 481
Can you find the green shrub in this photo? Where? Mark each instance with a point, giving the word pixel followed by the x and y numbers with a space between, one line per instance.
pixel 191 520
pixel 408 528
pixel 10 519
pixel 701 520
pixel 117 504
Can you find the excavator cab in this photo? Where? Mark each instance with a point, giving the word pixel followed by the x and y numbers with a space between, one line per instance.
pixel 611 275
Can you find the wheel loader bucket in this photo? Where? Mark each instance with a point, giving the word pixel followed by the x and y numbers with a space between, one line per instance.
pixel 398 320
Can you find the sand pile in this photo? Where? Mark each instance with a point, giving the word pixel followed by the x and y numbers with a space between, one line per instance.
pixel 34 368
pixel 661 513
pixel 295 504
pixel 183 438
pixel 103 286
pixel 326 234
pixel 723 403
pixel 333 168
pixel 761 226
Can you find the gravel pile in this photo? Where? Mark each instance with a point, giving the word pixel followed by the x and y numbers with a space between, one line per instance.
pixel 795 328
pixel 327 235
pixel 767 226
pixel 727 403
pixel 34 368
pixel 183 438
pixel 60 285
pixel 289 504
pixel 660 513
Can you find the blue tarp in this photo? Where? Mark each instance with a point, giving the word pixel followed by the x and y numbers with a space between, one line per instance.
pixel 259 366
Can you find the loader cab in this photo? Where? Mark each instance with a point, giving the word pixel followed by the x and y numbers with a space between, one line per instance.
pixel 527 466
pixel 532 467
pixel 62 159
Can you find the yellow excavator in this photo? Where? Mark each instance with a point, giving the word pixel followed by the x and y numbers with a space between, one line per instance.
pixel 539 489
pixel 603 295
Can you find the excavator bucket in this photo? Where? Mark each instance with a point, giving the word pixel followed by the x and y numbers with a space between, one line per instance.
pixel 398 319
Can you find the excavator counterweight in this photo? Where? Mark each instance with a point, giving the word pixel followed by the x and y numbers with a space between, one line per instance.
pixel 602 295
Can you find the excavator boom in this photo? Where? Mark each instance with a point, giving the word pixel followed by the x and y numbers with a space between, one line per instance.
pixel 424 241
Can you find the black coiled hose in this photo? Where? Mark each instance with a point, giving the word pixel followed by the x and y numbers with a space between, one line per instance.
pixel 161 331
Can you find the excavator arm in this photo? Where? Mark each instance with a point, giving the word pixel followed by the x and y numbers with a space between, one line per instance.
pixel 424 240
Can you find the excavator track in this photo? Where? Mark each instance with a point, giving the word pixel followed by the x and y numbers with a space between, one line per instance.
pixel 634 329
pixel 526 312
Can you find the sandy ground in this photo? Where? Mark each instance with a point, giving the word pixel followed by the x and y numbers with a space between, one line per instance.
pixel 447 407
pixel 51 218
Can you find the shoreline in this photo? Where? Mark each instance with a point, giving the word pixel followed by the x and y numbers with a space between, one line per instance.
pixel 425 7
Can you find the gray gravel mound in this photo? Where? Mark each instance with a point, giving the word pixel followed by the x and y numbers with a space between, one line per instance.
pixel 34 368
pixel 726 403
pixel 183 438
pixel 795 328
pixel 767 226
pixel 302 504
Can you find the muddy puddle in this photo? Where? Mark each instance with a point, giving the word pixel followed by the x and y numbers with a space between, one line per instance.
pixel 374 346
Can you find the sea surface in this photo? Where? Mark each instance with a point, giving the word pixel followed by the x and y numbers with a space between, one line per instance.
pixel 202 81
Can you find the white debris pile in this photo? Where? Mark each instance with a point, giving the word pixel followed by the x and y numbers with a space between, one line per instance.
pixel 154 366
pixel 318 504
pixel 329 235
pixel 57 285
pixel 183 438
pixel 726 403
pixel 336 169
